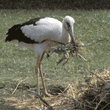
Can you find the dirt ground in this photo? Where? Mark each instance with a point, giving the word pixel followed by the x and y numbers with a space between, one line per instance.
pixel 93 94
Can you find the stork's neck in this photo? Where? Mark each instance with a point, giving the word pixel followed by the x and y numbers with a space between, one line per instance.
pixel 65 37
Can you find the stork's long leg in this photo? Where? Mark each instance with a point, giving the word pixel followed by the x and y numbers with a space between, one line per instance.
pixel 37 73
pixel 41 74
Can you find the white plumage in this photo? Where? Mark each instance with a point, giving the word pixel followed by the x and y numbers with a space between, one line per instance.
pixel 44 27
pixel 41 34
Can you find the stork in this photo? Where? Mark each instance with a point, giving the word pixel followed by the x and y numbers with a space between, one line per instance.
pixel 41 34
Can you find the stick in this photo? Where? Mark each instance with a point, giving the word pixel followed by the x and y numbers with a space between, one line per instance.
pixel 19 84
pixel 105 106
pixel 96 42
pixel 86 33
pixel 81 57
pixel 100 101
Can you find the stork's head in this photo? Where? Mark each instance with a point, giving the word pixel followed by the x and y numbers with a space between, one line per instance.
pixel 68 22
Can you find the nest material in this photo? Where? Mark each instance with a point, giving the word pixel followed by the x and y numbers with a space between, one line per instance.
pixel 93 94
pixel 96 94
pixel 66 51
pixel 74 51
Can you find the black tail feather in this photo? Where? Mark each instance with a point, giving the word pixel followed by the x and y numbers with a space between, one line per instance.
pixel 13 29
pixel 12 32
pixel 9 38
pixel 15 33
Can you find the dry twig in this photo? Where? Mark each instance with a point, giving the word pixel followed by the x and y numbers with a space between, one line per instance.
pixel 19 84
pixel 100 101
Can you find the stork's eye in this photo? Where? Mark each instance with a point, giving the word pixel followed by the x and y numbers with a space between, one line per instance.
pixel 68 24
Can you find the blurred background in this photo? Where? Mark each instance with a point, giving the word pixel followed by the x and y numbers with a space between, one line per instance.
pixel 55 4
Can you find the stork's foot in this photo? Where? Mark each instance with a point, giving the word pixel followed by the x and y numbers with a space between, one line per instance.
pixel 46 94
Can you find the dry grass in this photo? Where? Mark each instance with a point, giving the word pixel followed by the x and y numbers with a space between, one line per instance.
pixel 94 94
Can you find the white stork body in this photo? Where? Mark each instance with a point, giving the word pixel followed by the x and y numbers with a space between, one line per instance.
pixel 41 34
pixel 50 28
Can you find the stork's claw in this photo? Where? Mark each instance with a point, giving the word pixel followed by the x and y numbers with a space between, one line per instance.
pixel 46 94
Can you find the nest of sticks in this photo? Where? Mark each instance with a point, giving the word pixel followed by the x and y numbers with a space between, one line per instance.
pixel 95 94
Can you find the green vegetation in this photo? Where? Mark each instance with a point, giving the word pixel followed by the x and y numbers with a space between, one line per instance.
pixel 18 63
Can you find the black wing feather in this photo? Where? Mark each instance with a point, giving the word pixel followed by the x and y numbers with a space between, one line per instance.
pixel 15 32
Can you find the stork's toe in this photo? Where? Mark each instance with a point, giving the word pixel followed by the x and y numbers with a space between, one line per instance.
pixel 46 94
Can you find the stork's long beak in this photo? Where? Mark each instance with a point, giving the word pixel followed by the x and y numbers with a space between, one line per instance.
pixel 72 37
